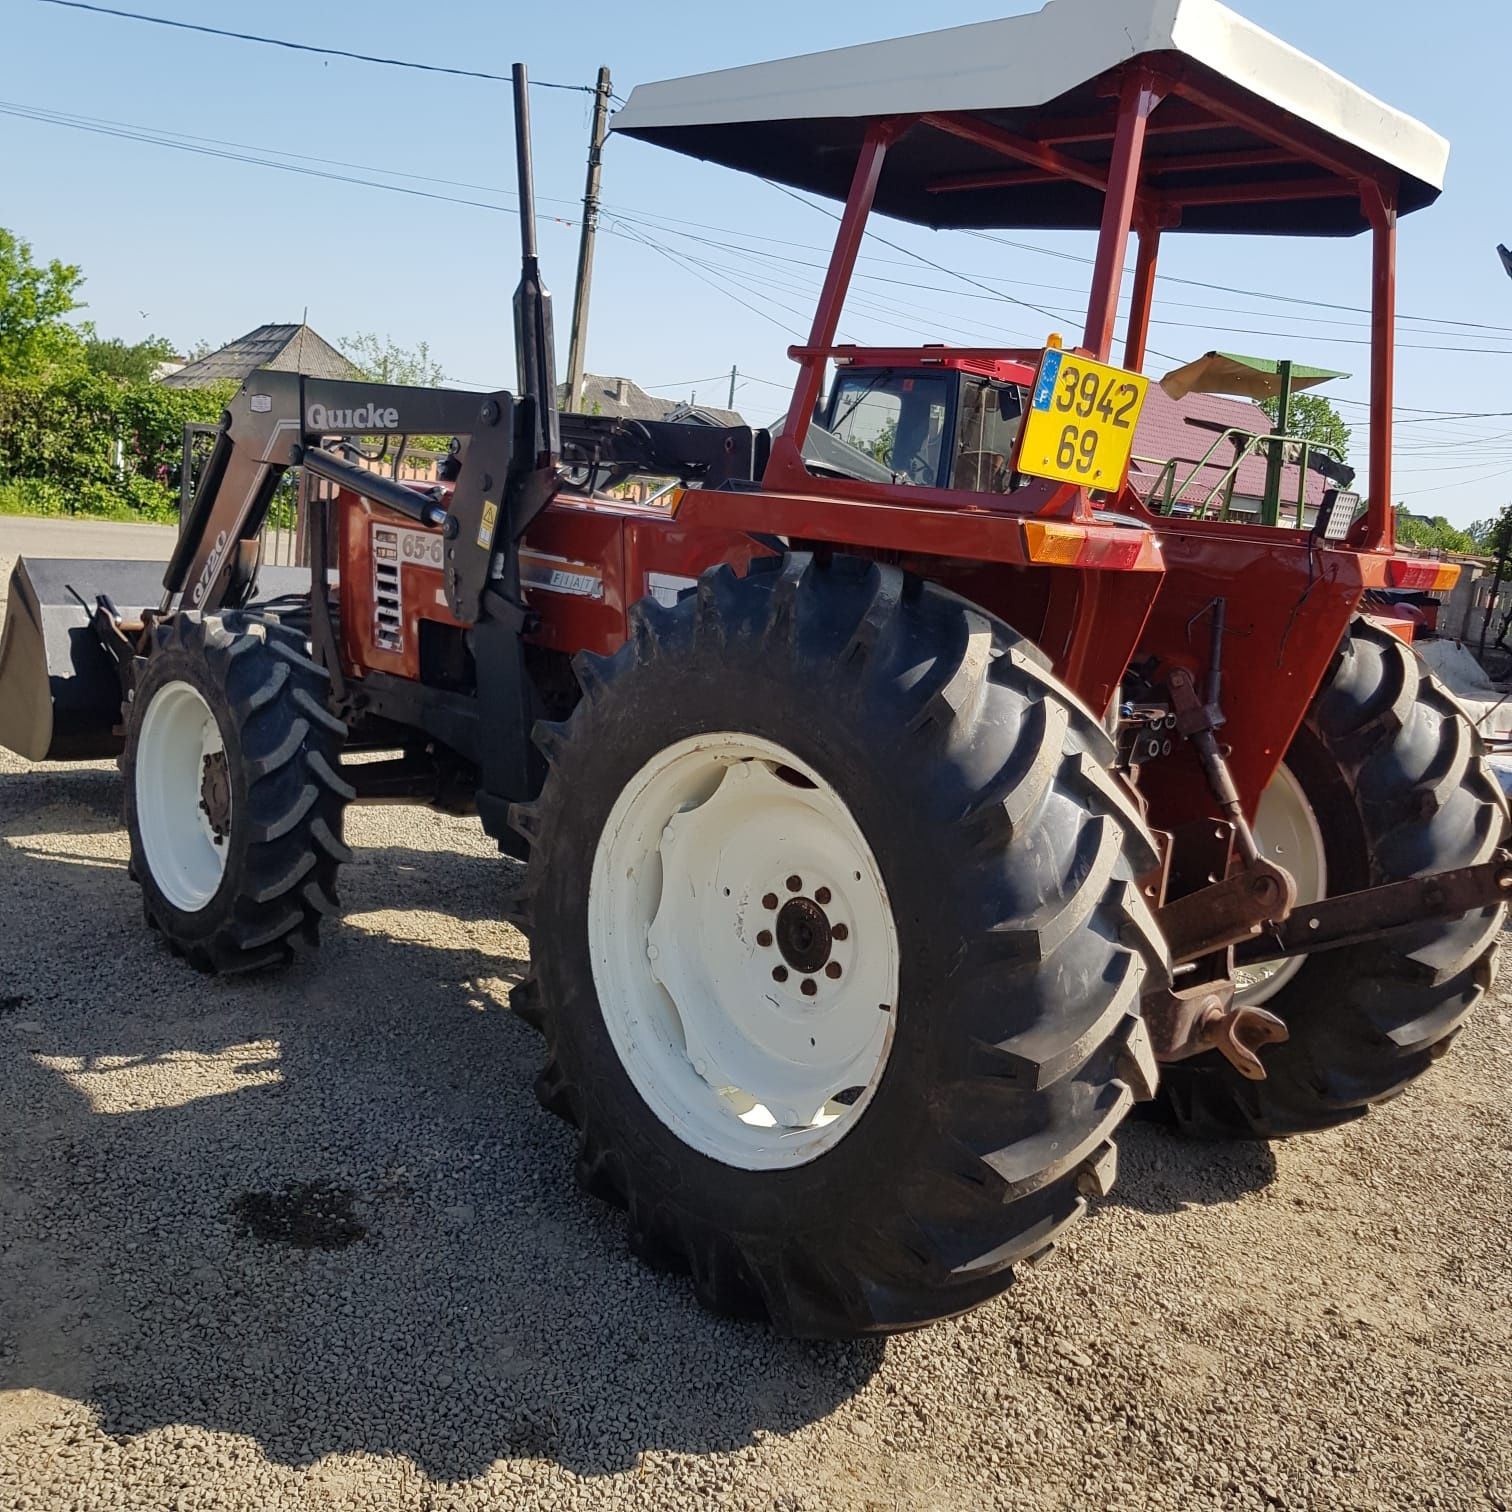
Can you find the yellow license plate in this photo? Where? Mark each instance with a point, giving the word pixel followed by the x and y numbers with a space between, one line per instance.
pixel 1081 419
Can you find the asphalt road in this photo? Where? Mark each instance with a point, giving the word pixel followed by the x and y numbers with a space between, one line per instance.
pixel 24 535
pixel 1321 1324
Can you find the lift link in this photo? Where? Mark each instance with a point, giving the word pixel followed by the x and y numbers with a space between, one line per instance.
pixel 1199 722
pixel 1353 917
pixel 1232 912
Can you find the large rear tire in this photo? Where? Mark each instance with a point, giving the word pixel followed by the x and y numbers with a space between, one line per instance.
pixel 1395 778
pixel 233 791
pixel 843 1130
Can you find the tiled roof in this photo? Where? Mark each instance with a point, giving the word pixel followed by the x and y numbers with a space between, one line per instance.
pixel 287 348
pixel 1165 431
pixel 629 401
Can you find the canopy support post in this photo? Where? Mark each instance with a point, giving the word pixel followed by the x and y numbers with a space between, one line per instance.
pixel 1140 95
pixel 880 135
pixel 1142 293
pixel 1380 207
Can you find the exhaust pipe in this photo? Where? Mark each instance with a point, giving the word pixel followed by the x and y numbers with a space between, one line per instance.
pixel 535 338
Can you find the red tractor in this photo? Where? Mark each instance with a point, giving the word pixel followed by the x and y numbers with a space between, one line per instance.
pixel 901 798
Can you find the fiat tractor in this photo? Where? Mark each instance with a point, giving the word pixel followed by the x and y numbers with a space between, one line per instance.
pixel 900 798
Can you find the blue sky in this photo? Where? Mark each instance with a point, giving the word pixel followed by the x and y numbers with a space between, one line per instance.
pixel 195 247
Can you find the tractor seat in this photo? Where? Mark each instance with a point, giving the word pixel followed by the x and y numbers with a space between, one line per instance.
pixel 981 471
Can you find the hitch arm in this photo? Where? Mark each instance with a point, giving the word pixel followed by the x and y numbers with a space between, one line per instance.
pixel 1353 917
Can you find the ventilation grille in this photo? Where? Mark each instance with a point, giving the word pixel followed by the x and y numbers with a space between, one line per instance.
pixel 388 616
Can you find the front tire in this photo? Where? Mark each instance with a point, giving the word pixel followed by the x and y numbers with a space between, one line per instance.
pixel 1398 786
pixel 911 770
pixel 233 791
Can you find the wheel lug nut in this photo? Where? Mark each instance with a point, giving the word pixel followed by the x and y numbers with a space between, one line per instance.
pixel 808 989
pixel 840 932
pixel 779 974
pixel 822 896
pixel 770 901
pixel 764 938
pixel 795 883
pixel 832 970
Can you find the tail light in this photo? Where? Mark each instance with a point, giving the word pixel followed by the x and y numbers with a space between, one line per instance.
pixel 1057 544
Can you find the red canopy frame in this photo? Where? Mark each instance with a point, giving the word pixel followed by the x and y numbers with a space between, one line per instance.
pixel 1143 195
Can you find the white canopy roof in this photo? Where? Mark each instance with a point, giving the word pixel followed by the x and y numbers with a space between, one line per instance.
pixel 749 117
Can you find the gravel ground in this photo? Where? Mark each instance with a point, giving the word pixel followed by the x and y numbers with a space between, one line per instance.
pixel 307 1242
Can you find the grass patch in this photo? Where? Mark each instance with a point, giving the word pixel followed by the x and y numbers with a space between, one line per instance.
pixel 147 504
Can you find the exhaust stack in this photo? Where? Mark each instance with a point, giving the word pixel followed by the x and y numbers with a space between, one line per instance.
pixel 535 339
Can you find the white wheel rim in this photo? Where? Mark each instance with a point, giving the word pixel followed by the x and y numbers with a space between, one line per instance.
pixel 178 736
pixel 1286 830
pixel 749 1070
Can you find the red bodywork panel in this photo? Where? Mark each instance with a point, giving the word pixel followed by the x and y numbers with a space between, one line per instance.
pixel 1087 617
pixel 1288 606
pixel 583 563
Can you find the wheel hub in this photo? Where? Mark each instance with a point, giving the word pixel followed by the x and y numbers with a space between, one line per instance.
pixel 803 935
pixel 757 1020
pixel 215 794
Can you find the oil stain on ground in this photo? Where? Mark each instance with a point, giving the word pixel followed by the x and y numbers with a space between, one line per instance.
pixel 303 1215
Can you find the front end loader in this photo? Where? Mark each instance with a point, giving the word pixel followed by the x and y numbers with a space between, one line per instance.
pixel 901 797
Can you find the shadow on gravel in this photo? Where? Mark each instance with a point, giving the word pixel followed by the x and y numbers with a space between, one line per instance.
pixel 165 1139
pixel 67 802
pixel 1161 1172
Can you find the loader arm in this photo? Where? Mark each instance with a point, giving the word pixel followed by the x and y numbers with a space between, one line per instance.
pixel 279 420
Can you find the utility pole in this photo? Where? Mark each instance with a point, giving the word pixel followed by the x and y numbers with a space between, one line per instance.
pixel 578 349
pixel 731 404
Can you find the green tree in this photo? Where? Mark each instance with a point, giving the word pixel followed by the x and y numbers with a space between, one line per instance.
pixel 134 363
pixel 1314 419
pixel 1436 534
pixel 35 299
pixel 383 360
pixel 1484 532
pixel 881 445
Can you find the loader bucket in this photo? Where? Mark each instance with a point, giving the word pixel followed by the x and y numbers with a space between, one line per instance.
pixel 60 697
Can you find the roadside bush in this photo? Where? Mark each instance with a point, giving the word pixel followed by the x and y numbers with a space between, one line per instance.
pixel 136 500
pixel 85 443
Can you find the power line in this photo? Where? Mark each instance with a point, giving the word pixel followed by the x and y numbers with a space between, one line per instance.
pixel 917 256
pixel 1196 283
pixel 307 47
pixel 188 142
pixel 1310 335
pixel 721 275
pixel 651 388
pixel 1414 493
pixel 1060 313
pixel 287 43
pixel 57 119
pixel 678 261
